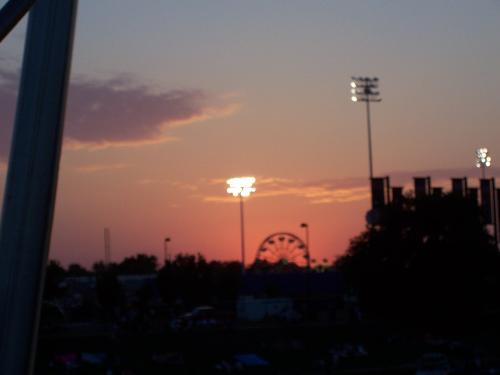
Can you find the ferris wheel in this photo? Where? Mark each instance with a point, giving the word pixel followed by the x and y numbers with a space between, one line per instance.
pixel 284 248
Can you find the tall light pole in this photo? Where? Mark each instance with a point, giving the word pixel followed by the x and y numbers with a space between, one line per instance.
pixel 241 187
pixel 483 160
pixel 165 249
pixel 365 89
pixel 306 227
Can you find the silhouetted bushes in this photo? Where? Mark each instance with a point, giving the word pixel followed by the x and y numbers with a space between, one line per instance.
pixel 428 263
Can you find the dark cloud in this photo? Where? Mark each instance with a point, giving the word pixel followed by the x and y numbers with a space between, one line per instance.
pixel 115 113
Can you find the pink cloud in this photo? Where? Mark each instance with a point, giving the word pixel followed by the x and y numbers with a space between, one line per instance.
pixel 92 168
pixel 338 190
pixel 315 192
pixel 115 113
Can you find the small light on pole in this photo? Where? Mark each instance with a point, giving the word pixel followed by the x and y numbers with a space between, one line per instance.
pixel 365 89
pixel 483 160
pixel 241 187
pixel 306 227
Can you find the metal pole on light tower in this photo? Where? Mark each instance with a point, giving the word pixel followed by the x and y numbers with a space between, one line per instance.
pixel 242 221
pixel 28 207
pixel 368 123
pixel 241 187
pixel 365 89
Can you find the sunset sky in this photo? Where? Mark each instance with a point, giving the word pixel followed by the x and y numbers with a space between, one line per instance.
pixel 168 99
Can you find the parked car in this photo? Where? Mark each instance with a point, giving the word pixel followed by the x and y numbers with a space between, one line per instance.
pixel 202 317
pixel 433 364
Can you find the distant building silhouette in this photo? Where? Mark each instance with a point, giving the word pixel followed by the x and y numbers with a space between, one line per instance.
pixel 486 196
pixel 422 186
pixel 380 187
pixel 459 186
pixel 291 296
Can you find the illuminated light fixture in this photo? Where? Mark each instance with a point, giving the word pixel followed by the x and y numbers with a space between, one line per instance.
pixel 483 160
pixel 365 89
pixel 241 187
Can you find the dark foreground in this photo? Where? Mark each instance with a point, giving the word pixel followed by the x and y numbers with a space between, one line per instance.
pixel 272 348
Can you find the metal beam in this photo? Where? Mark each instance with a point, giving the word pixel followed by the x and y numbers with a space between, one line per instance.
pixel 11 13
pixel 30 193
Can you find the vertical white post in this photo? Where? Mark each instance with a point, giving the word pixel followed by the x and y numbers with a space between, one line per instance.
pixel 30 194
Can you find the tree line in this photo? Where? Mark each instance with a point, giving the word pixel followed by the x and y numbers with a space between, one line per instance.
pixel 188 278
pixel 429 263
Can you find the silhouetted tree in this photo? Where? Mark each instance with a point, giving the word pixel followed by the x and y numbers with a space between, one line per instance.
pixel 428 261
pixel 263 266
pixel 139 264
pixel 195 281
pixel 225 279
pixel 100 266
pixel 76 270
pixel 54 276
pixel 109 290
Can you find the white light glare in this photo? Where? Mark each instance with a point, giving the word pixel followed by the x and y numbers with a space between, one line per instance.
pixel 482 157
pixel 241 186
pixel 354 98
pixel 353 84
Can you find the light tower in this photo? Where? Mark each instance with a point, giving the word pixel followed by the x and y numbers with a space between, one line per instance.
pixel 483 160
pixel 241 187
pixel 365 89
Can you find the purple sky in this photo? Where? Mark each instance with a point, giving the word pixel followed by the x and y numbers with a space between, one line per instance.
pixel 168 99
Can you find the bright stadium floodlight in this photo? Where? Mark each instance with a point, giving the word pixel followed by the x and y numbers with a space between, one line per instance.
pixel 365 89
pixel 483 160
pixel 241 187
